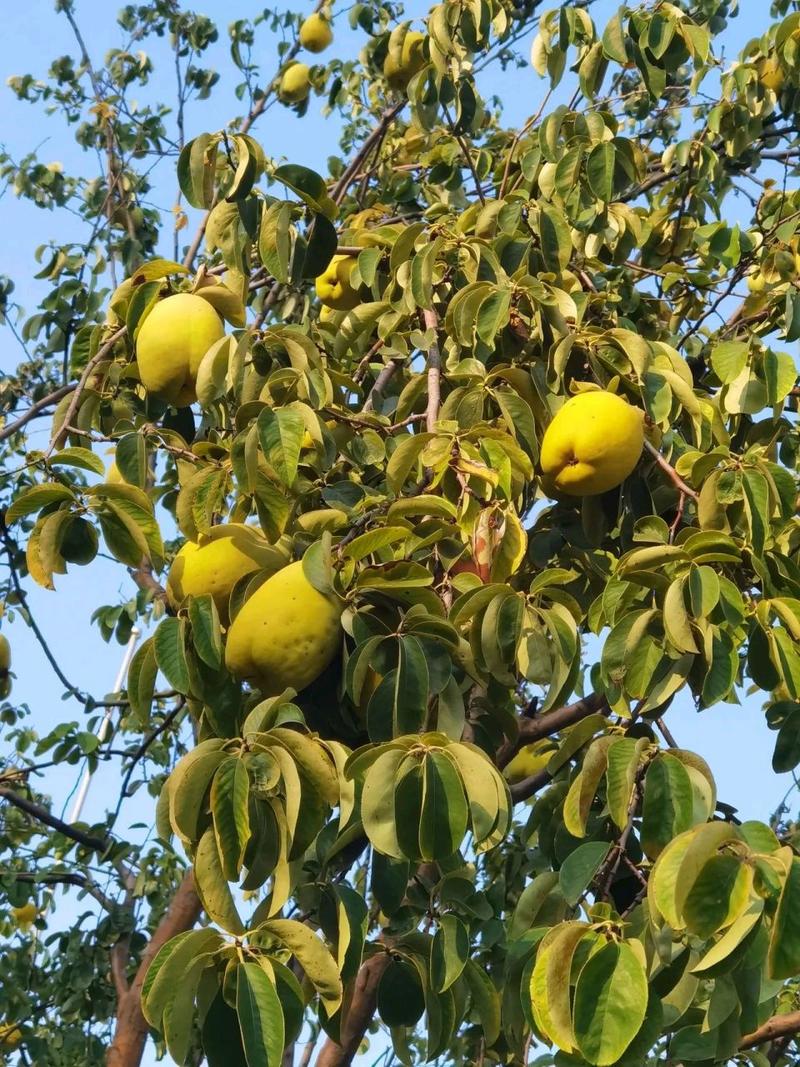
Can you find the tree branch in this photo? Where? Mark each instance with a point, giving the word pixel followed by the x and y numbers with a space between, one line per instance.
pixel 670 471
pixel 778 1026
pixel 431 320
pixel 131 1029
pixel 42 815
pixel 58 438
pixel 79 881
pixel 551 722
pixel 36 409
pixel 360 1014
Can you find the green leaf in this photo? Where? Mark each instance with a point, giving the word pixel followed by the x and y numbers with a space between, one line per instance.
pixel 260 1016
pixel 579 868
pixel 449 952
pixel 485 999
pixel 554 235
pixel 718 895
pixel 275 240
pixel 197 166
pixel 169 642
pixel 280 434
pixel 83 458
pixel 189 783
pixel 308 185
pixel 600 170
pixel 221 1035
pixel 668 803
pixel 212 888
pixel 142 679
pixel 732 938
pixel 36 498
pixel 313 956
pixel 610 1003
pixel 783 959
pixel 204 620
pixel 168 967
pixel 444 809
pixel 401 1001
pixel 230 791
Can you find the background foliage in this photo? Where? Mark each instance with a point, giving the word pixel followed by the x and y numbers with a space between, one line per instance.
pixel 354 846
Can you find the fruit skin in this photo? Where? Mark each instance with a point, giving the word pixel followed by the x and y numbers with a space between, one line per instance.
pixel 529 761
pixel 593 444
pixel 171 344
pixel 333 285
pixel 25 915
pixel 399 72
pixel 295 83
pixel 316 33
pixel 5 654
pixel 285 635
pixel 214 567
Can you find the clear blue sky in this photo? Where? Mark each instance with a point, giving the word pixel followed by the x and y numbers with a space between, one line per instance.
pixel 733 739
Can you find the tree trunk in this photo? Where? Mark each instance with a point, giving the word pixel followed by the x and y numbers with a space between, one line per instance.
pixel 359 1015
pixel 131 1030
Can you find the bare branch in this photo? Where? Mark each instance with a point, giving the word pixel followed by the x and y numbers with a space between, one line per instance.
pixel 42 815
pixel 670 471
pixel 36 409
pixel 431 320
pixel 778 1026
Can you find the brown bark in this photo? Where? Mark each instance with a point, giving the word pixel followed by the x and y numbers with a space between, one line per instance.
pixel 778 1026
pixel 551 722
pixel 131 1030
pixel 360 1014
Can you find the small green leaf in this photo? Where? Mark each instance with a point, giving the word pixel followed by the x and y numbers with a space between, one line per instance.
pixel 579 868
pixel 169 642
pixel 783 960
pixel 449 952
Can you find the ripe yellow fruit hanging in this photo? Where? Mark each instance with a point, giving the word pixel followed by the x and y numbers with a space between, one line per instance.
pixel 171 344
pixel 295 83
pixel 593 444
pixel 316 33
pixel 215 566
pixel 333 285
pixel 285 635
pixel 529 761
pixel 399 70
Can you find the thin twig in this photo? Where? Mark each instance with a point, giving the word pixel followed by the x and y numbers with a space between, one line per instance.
pixel 36 409
pixel 673 475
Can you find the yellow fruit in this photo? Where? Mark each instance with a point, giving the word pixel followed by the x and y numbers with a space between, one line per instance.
pixel 333 285
pixel 295 83
pixel 10 1035
pixel 399 71
pixel 592 444
pixel 529 761
pixel 216 566
pixel 315 33
pixel 5 653
pixel 171 344
pixel 285 635
pixel 24 916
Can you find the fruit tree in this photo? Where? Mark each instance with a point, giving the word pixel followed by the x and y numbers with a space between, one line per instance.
pixel 436 476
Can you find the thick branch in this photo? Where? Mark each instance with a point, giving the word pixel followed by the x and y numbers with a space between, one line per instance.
pixel 359 1014
pixel 525 789
pixel 778 1026
pixel 131 1030
pixel 551 722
